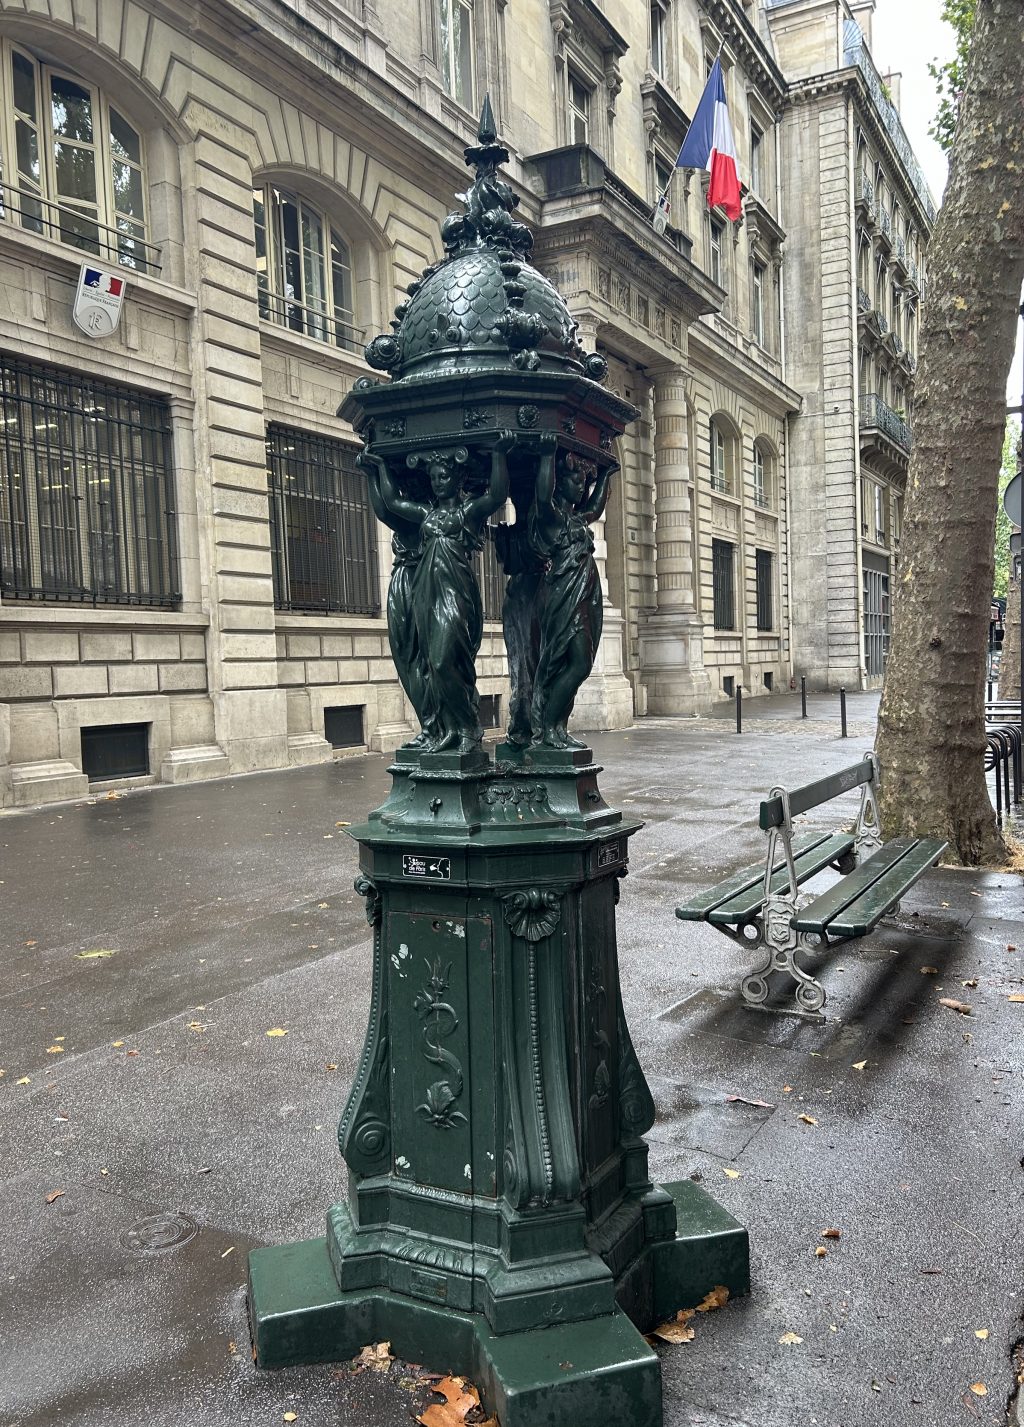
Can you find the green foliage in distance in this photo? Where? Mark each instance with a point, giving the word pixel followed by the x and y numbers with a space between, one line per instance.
pixel 951 77
pixel 1007 471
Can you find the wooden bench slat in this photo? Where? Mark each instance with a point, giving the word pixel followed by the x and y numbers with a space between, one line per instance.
pixel 698 908
pixel 855 906
pixel 812 860
pixel 811 795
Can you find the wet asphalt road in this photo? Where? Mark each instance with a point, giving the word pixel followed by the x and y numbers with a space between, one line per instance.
pixel 157 1104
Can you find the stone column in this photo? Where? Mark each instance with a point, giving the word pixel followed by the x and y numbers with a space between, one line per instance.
pixel 606 699
pixel 672 636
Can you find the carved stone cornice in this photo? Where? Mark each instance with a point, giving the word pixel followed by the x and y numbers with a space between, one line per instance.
pixel 728 22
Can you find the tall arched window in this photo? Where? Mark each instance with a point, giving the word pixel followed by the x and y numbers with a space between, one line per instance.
pixel 73 165
pixel 764 475
pixel 722 457
pixel 303 268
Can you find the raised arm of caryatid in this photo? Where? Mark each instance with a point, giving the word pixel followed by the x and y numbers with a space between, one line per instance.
pixel 544 487
pixel 371 466
pixel 394 503
pixel 496 493
pixel 593 507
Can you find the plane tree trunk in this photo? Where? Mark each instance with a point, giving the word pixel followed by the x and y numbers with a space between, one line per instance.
pixel 931 737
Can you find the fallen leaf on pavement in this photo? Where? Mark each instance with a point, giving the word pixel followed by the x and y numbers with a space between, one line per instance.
pixel 979 1389
pixel 787 1090
pixel 929 971
pixel 54 1050
pixel 970 984
pixel 859 1064
pixel 807 1119
pixel 290 1417
pixel 232 1347
pixel 960 1006
pixel 742 1100
pixel 331 1066
pixel 96 955
pixel 717 1298
pixel 790 1338
pixel 981 1332
pixel 831 1233
pixel 117 1044
pixel 677 1329
pixel 277 1031
pixel 25 1080
pixel 54 1195
pixel 1015 998
pixel 460 1398
pixel 729 1173
pixel 820 1251
pixel 376 1356
pixel 342 824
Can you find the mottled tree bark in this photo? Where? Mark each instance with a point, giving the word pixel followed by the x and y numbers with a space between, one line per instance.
pixel 931 729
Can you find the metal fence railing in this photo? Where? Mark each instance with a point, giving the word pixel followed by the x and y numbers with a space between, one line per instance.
pixel 79 229
pixel 310 320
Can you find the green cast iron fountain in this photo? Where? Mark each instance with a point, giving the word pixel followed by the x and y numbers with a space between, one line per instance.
pixel 501 1221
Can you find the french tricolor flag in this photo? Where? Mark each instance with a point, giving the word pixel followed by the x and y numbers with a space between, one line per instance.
pixel 709 144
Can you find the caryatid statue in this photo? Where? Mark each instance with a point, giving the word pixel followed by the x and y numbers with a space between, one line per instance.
pixel 406 547
pixel 569 495
pixel 446 607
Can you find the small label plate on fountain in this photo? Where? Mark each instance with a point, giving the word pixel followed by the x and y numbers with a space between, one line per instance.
pixel 609 854
pixel 435 869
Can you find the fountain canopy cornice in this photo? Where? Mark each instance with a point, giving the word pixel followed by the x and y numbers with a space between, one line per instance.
pixel 483 342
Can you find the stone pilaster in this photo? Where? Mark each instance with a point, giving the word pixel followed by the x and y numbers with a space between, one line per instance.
pixel 606 699
pixel 250 709
pixel 672 636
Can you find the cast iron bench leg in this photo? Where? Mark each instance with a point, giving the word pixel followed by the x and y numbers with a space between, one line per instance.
pixel 780 945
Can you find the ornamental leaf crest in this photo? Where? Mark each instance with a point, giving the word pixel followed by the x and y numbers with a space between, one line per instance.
pixel 533 914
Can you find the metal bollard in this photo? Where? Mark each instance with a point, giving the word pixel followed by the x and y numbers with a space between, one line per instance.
pixel 739 708
pixel 803 696
pixel 842 711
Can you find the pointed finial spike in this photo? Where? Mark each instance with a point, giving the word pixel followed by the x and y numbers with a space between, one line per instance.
pixel 488 132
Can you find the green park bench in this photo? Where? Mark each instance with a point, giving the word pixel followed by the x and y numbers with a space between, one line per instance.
pixel 761 907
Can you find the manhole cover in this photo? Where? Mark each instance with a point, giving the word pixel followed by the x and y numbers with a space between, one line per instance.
pixel 159 1232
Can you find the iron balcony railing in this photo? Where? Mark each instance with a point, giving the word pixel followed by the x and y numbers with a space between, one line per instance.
pixel 863 301
pixel 79 229
pixel 897 342
pixel 310 320
pixel 901 247
pixel 855 52
pixel 883 322
pixel 865 191
pixel 875 415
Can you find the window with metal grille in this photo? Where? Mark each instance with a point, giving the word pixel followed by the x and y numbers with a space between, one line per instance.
pixel 765 585
pixel 323 536
pixel 722 585
pixel 119 750
pixel 86 490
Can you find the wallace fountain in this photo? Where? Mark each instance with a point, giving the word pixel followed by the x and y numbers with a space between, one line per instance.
pixel 500 1221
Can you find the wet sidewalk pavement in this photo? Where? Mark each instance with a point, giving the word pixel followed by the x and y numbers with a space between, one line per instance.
pixel 142 1085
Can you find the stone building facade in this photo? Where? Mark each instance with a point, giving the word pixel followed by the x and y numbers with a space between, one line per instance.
pixel 191 582
pixel 860 215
